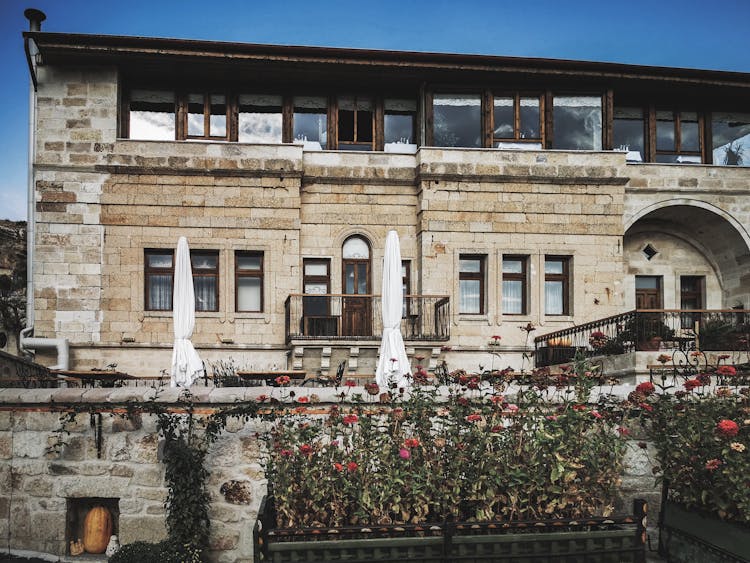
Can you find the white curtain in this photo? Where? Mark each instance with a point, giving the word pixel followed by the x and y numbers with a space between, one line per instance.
pixel 553 297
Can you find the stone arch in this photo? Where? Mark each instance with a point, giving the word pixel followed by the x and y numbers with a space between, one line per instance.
pixel 697 234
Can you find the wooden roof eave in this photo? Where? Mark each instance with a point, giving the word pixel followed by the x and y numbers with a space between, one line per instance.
pixel 62 48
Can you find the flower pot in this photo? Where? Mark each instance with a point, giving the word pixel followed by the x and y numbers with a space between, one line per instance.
pixel 686 536
pixel 600 540
pixel 650 345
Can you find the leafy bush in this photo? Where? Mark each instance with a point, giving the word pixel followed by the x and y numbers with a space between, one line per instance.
pixel 477 455
pixel 702 438
pixel 162 552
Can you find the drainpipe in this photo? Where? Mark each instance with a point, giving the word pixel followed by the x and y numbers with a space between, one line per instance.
pixel 27 343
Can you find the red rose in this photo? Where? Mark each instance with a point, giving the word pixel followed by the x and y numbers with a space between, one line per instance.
pixel 350 419
pixel 305 449
pixel 647 388
pixel 727 428
pixel 726 371
pixel 351 466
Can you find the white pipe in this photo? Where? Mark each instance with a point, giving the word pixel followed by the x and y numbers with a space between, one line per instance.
pixel 61 344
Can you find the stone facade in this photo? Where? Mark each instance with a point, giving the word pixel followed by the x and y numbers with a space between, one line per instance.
pixel 38 482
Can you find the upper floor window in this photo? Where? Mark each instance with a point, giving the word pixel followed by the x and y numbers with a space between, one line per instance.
pixel 457 120
pixel 471 276
pixel 400 117
pixel 206 116
pixel 356 123
pixel 159 279
pixel 310 120
pixel 678 136
pixel 628 132
pixel 556 285
pixel 516 119
pixel 577 122
pixel 152 115
pixel 248 281
pixel 259 118
pixel 731 138
pixel 514 285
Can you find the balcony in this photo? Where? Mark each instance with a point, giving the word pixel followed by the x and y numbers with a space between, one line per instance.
pixel 726 330
pixel 358 317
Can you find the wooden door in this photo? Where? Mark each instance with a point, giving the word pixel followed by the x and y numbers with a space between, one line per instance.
pixel 648 292
pixel 357 303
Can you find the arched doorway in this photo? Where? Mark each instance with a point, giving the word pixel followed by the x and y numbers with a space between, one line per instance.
pixel 356 284
pixel 686 255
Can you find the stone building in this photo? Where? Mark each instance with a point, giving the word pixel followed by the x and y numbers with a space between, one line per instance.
pixel 524 191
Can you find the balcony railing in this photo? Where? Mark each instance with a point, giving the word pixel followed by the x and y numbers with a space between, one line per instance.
pixel 647 330
pixel 358 317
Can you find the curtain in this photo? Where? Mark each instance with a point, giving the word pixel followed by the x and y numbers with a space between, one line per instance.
pixel 160 292
pixel 553 297
pixel 205 293
pixel 512 297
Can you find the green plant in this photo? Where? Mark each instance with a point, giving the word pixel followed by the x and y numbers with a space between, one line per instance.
pixel 162 552
pixel 642 327
pixel 478 455
pixel 702 440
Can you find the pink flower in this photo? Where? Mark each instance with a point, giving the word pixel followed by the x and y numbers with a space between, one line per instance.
pixel 282 380
pixel 726 371
pixel 596 414
pixel 513 409
pixel 286 453
pixel 305 449
pixel 496 337
pixel 404 453
pixel 262 398
pixel 350 419
pixel 474 417
pixel 623 431
pixel 303 399
pixel 350 383
pixel 713 464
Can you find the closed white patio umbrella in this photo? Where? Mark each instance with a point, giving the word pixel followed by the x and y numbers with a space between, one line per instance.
pixel 186 364
pixel 393 364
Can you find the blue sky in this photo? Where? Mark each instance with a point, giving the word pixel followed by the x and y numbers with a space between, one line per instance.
pixel 688 33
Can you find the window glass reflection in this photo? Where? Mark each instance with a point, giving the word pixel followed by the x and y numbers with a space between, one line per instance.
pixel 260 119
pixel 529 114
pixel 457 120
pixel 310 123
pixel 218 117
pixel 628 130
pixel 400 117
pixel 195 115
pixel 731 138
pixel 665 138
pixel 152 115
pixel 689 132
pixel 504 118
pixel 577 122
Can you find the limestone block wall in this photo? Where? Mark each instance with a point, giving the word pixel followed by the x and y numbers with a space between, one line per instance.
pixel 712 209
pixel 529 203
pixel 37 482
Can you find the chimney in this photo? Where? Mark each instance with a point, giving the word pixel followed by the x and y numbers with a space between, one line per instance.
pixel 35 17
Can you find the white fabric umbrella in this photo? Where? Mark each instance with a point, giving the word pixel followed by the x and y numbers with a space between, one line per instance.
pixel 393 364
pixel 186 364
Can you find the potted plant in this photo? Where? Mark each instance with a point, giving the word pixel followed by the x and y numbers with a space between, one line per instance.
pixel 475 474
pixel 646 330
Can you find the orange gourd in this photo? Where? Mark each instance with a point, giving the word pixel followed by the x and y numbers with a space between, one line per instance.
pixel 97 529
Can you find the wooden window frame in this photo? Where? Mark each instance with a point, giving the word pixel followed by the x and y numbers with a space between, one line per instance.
pixel 376 103
pixel 124 107
pixel 148 272
pixel 481 276
pixel 515 276
pixel 316 279
pixel 380 124
pixel 564 277
pixel 452 91
pixel 240 273
pixel 230 115
pixel 205 273
pixel 700 294
pixel 654 152
pixel 516 95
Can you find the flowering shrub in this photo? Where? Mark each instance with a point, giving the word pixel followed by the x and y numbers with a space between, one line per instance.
pixel 702 437
pixel 475 455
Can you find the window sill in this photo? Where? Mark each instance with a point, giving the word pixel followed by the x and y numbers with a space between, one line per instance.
pixel 558 318
pixel 480 318
pixel 168 314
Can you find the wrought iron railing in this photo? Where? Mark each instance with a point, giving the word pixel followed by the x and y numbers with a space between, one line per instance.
pixel 647 330
pixel 358 317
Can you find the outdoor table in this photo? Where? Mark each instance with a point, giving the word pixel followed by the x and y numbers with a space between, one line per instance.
pixel 105 378
pixel 269 377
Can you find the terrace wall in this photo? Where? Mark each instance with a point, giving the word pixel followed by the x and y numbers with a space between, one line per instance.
pixel 37 483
